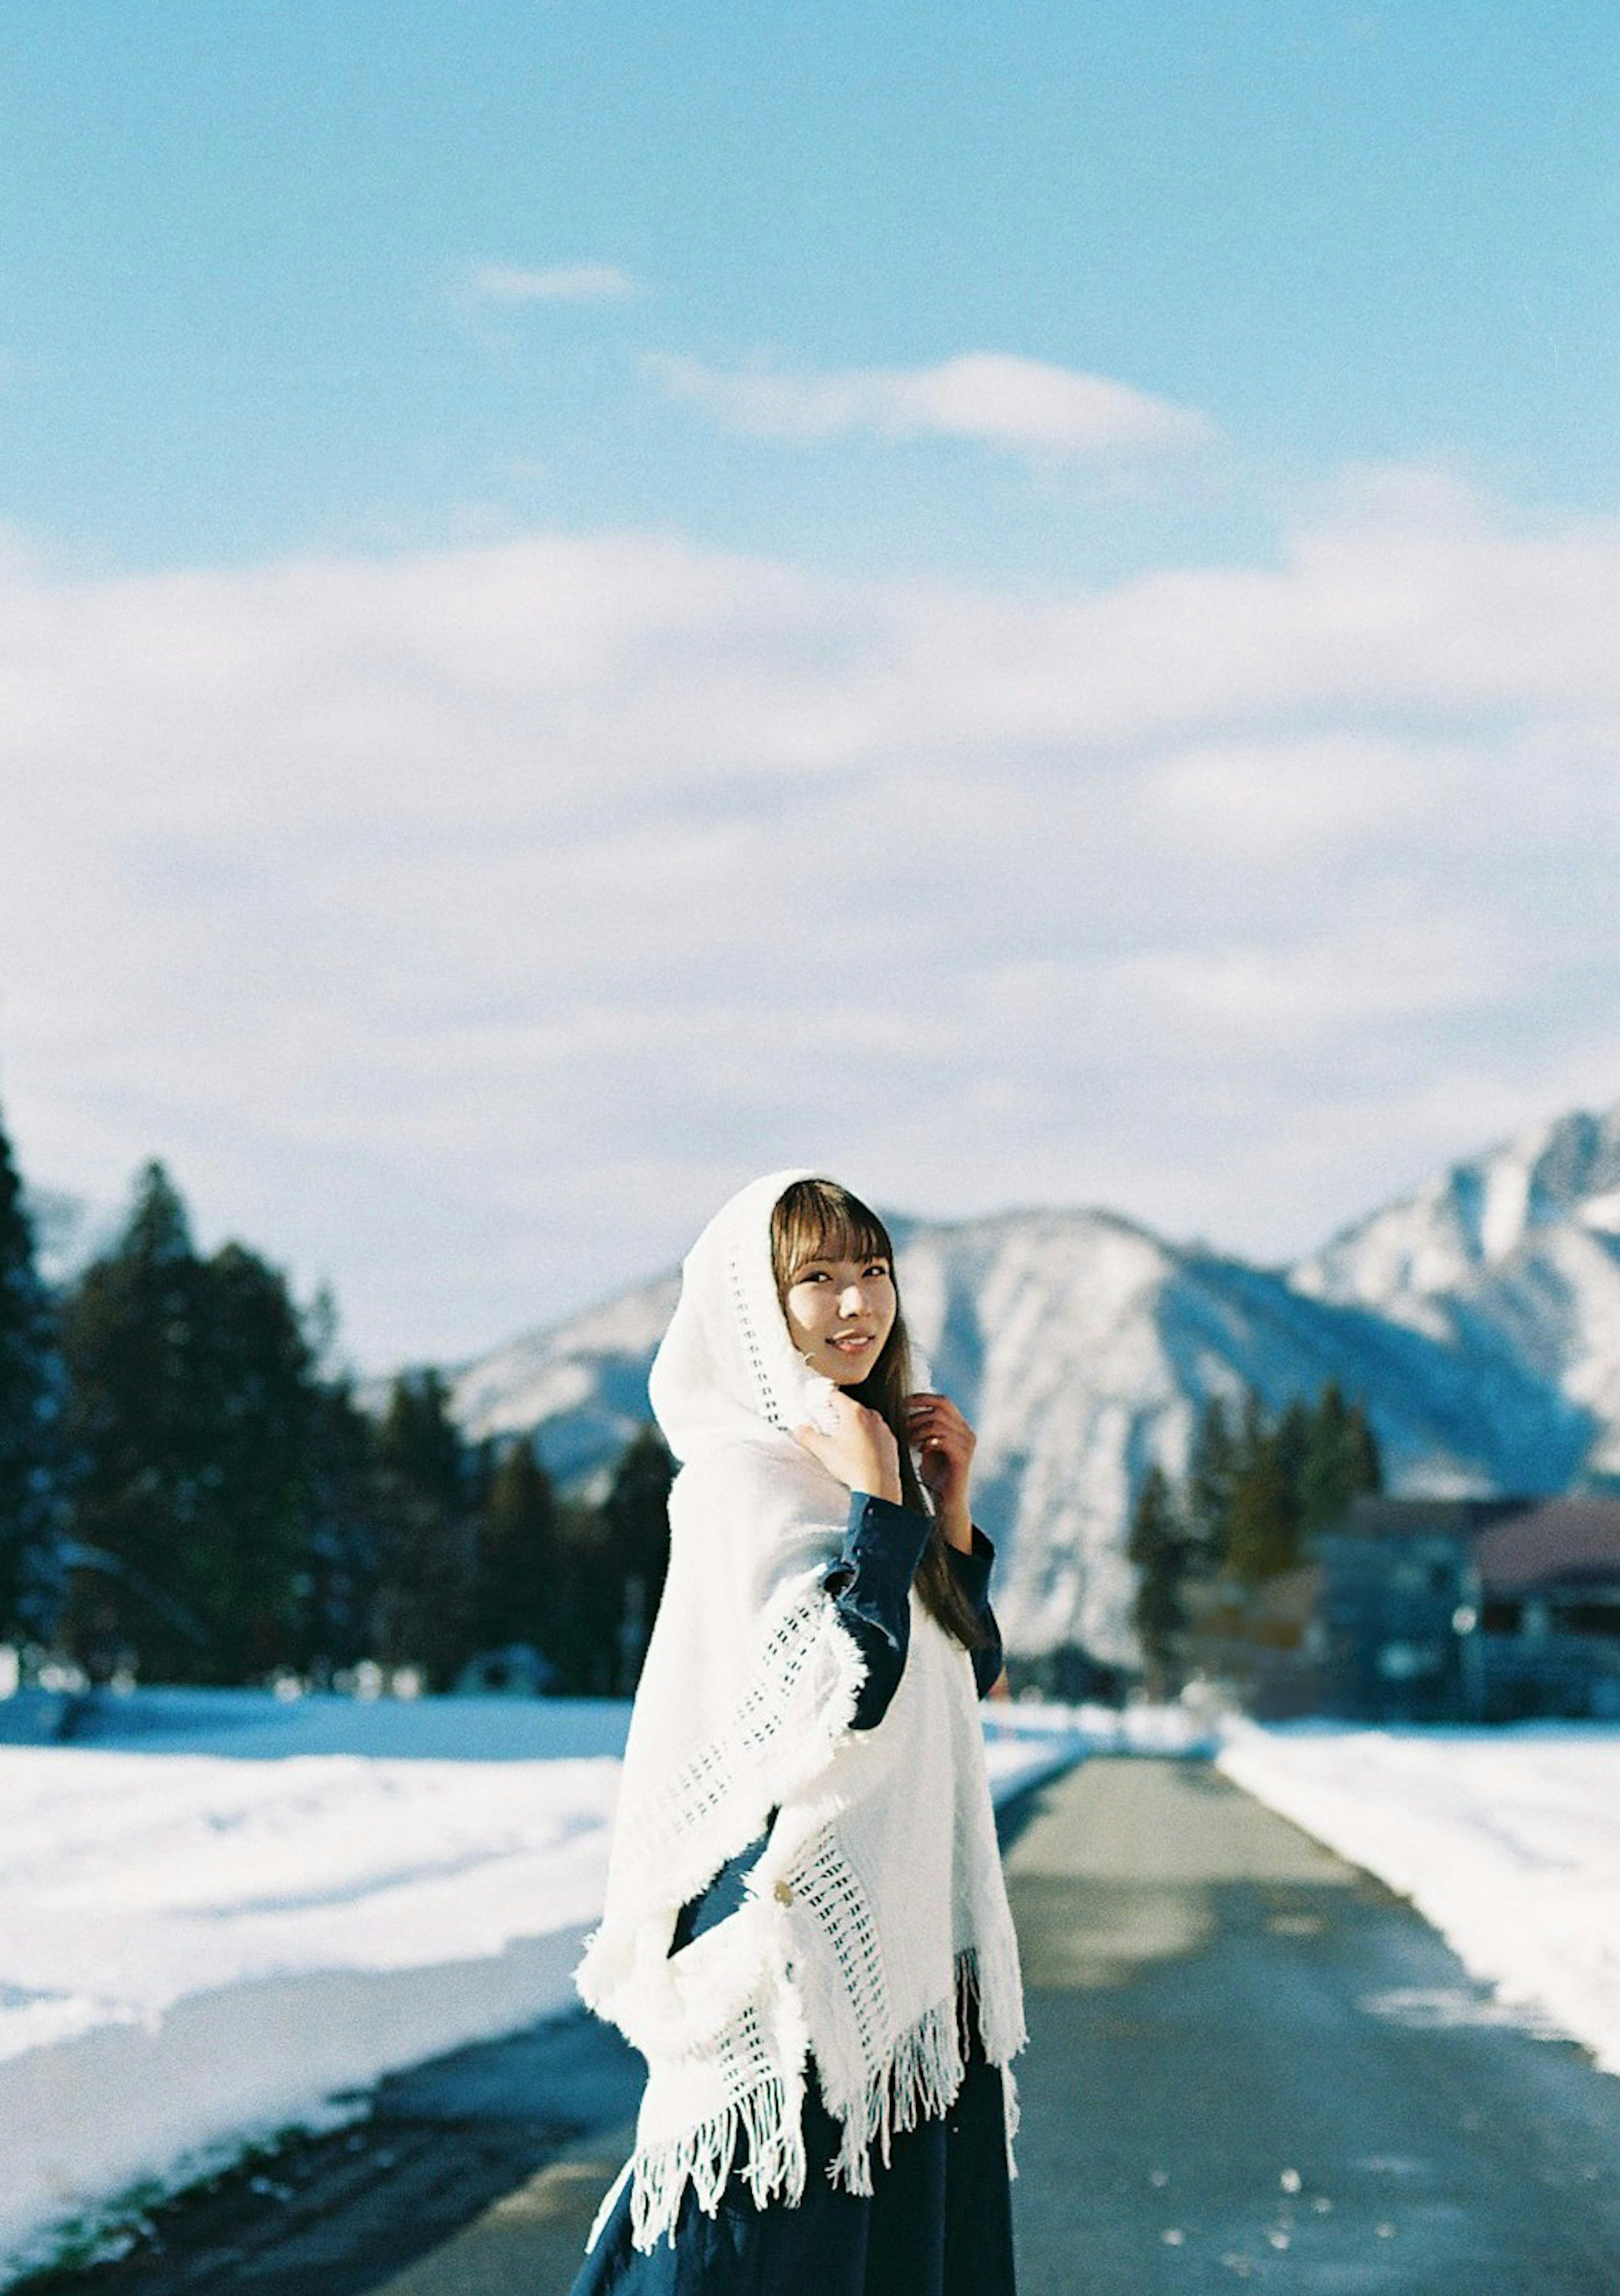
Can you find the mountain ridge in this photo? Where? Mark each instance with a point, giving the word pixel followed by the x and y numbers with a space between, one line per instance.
pixel 1477 1316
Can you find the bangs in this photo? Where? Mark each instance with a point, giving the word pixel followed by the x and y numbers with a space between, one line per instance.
pixel 817 1219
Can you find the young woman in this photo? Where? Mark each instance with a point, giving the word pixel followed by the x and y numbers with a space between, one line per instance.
pixel 806 1931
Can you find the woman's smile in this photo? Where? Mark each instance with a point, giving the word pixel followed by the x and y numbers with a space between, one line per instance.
pixel 823 1295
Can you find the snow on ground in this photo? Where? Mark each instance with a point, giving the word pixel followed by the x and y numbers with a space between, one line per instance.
pixel 226 1914
pixel 1026 1739
pixel 1506 1839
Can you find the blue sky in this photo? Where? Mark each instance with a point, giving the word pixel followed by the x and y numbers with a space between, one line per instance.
pixel 235 248
pixel 1018 602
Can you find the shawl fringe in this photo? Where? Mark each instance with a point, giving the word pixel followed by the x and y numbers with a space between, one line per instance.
pixel 924 2069
pixel 920 2080
pixel 702 2156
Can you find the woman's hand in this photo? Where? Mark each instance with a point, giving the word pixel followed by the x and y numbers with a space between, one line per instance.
pixel 944 1443
pixel 862 1451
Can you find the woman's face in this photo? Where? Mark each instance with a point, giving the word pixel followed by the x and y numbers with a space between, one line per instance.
pixel 840 1312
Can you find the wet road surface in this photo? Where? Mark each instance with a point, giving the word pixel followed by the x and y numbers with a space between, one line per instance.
pixel 1251 2066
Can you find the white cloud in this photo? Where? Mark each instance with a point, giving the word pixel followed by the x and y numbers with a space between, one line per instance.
pixel 1265 803
pixel 562 283
pixel 399 901
pixel 1405 969
pixel 992 397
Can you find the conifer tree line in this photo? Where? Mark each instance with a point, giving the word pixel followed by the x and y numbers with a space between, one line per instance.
pixel 190 1491
pixel 1260 1485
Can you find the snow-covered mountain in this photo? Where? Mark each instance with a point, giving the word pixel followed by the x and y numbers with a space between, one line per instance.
pixel 1083 1346
pixel 1479 1320
pixel 581 1387
pixel 1512 1258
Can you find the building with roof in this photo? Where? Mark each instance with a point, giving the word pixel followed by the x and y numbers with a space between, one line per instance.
pixel 1451 1610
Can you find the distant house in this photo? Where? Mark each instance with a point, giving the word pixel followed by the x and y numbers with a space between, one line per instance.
pixel 1448 1610
pixel 1550 1609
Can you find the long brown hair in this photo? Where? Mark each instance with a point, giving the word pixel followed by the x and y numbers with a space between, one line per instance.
pixel 817 1219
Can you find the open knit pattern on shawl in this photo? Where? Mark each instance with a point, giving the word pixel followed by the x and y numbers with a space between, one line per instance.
pixel 876 1919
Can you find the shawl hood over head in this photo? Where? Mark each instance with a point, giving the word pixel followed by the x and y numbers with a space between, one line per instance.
pixel 726 1367
pixel 874 1913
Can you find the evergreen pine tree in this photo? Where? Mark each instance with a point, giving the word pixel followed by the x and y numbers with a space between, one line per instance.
pixel 192 1410
pixel 428 1533
pixel 1210 1470
pixel 1324 1486
pixel 585 1635
pixel 421 1441
pixel 1366 1461
pixel 256 1370
pixel 31 1400
pixel 1262 1532
pixel 1292 1437
pixel 337 1585
pixel 635 1515
pixel 516 1593
pixel 1341 1461
pixel 1253 1430
pixel 131 1330
pixel 1157 1546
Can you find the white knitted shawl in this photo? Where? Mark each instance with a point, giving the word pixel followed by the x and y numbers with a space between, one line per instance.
pixel 876 1919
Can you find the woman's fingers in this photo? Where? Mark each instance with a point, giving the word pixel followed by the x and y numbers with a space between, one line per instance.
pixel 944 1444
pixel 935 1420
pixel 924 1400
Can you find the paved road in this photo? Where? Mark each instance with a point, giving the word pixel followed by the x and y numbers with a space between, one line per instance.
pixel 1249 2065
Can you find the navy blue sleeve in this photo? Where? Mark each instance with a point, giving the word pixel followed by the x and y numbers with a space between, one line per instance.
pixel 869 1584
pixel 972 1571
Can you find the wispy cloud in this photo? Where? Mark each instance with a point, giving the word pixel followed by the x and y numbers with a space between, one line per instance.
pixel 563 283
pixel 1023 405
pixel 463 923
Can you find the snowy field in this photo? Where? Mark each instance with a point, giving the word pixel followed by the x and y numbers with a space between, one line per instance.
pixel 223 1913
pixel 1507 1840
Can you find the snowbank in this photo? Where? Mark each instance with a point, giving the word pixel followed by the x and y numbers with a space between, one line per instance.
pixel 273 1903
pixel 196 1949
pixel 1506 1839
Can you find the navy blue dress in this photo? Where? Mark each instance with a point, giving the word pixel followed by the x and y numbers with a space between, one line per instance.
pixel 938 2221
